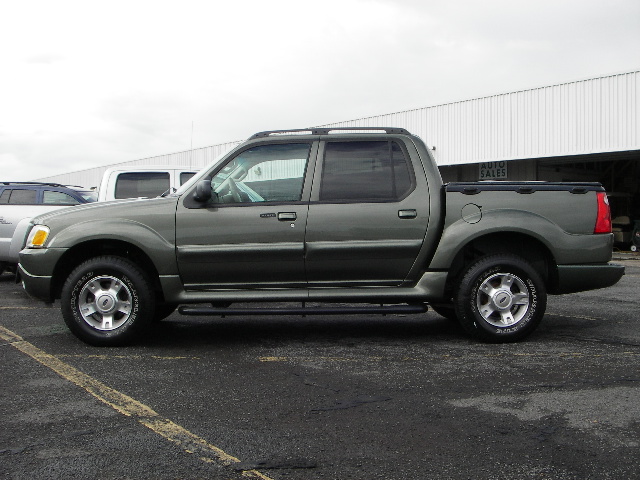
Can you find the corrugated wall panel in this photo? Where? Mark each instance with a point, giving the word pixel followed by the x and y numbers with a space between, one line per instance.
pixel 588 116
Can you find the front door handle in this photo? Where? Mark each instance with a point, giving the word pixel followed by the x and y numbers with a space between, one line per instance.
pixel 407 213
pixel 287 216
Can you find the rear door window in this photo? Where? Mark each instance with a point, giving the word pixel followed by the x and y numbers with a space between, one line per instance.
pixel 19 196
pixel 51 197
pixel 365 171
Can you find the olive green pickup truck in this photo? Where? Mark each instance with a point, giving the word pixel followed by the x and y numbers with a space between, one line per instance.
pixel 332 221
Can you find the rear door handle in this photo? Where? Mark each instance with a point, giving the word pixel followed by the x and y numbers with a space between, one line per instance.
pixel 407 213
pixel 287 216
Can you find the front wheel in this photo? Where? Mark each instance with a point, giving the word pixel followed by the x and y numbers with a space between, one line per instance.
pixel 107 301
pixel 501 298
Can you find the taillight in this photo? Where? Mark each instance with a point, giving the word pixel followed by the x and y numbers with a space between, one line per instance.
pixel 603 221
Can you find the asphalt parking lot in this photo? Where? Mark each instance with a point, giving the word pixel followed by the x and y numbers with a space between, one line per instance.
pixel 395 397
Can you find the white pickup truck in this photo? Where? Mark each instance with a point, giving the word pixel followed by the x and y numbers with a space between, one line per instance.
pixel 142 181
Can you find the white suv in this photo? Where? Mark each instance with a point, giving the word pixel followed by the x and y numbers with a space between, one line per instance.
pixel 21 201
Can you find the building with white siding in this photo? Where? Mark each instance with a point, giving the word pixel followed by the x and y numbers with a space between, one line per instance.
pixel 586 130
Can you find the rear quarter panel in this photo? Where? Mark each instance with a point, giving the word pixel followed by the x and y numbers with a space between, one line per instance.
pixel 561 220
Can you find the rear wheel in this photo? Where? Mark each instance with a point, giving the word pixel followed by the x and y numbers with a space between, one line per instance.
pixel 107 301
pixel 501 298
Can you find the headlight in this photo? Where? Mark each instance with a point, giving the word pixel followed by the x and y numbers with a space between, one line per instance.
pixel 38 236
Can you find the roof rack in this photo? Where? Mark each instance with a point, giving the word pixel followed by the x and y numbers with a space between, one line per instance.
pixel 48 184
pixel 328 130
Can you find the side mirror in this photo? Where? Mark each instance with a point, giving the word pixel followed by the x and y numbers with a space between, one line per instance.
pixel 203 191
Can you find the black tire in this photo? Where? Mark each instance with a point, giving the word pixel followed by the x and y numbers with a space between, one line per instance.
pixel 107 301
pixel 501 298
pixel 447 311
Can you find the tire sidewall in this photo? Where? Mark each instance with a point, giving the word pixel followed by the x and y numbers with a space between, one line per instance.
pixel 467 308
pixel 131 277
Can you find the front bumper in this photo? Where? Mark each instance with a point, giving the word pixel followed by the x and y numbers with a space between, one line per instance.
pixel 578 278
pixel 36 286
pixel 36 270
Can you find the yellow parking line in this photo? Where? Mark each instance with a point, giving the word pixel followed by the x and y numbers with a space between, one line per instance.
pixel 128 406
pixel 581 317
pixel 127 357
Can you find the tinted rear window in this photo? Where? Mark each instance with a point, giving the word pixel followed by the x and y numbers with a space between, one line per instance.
pixel 361 171
pixel 19 196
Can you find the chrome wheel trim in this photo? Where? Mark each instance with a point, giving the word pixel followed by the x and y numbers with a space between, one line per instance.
pixel 105 303
pixel 503 299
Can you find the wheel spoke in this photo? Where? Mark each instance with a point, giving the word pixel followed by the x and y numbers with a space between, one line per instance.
pixel 488 289
pixel 94 287
pixel 107 322
pixel 487 311
pixel 506 281
pixel 87 309
pixel 124 306
pixel 506 318
pixel 521 299
pixel 115 288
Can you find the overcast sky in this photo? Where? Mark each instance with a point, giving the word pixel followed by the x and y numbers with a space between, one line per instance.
pixel 89 83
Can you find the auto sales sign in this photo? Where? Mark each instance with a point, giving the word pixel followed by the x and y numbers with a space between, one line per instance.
pixel 493 171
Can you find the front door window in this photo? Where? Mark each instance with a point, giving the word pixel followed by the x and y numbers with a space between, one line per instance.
pixel 267 173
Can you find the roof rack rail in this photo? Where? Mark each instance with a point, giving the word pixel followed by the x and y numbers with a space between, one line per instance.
pixel 328 130
pixel 48 184
pixel 32 183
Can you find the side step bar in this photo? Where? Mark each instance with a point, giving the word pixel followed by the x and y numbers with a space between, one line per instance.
pixel 380 309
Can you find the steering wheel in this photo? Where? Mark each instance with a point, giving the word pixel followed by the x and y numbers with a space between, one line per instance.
pixel 233 190
pixel 230 184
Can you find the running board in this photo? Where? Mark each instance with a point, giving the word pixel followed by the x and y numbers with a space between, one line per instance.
pixel 380 309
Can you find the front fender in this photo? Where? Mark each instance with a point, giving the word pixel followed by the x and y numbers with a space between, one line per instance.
pixel 157 242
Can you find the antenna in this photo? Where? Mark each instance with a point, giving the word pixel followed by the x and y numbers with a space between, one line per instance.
pixel 191 149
